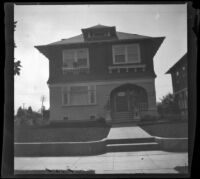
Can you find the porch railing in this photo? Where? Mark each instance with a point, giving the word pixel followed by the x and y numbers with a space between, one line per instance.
pixel 127 67
pixel 76 70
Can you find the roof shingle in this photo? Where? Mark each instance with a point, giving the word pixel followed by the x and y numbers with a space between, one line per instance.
pixel 80 39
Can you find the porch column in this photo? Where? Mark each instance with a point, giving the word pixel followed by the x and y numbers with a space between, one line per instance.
pixel 151 94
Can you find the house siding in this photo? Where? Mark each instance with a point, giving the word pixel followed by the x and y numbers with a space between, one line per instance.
pixel 100 57
pixel 103 90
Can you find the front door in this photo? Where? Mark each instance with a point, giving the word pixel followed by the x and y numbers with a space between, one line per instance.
pixel 121 102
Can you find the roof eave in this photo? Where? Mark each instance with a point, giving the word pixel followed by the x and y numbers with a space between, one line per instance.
pixel 105 41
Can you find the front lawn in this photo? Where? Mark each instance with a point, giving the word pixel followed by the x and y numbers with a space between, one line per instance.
pixel 171 130
pixel 60 134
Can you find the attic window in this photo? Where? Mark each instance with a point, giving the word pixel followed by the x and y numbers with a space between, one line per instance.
pixel 98 34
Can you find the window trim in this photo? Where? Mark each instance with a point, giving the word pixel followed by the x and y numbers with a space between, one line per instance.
pixel 76 57
pixel 88 95
pixel 126 54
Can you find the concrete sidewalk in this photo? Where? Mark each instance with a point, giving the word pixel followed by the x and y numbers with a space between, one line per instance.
pixel 127 132
pixel 109 163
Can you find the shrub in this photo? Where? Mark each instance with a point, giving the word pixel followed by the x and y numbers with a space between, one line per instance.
pixel 101 119
pixel 92 117
pixel 149 118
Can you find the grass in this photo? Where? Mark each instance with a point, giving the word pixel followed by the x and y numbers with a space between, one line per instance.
pixel 168 130
pixel 60 133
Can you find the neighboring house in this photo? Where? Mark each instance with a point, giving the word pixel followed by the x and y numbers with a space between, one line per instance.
pixel 101 70
pixel 180 86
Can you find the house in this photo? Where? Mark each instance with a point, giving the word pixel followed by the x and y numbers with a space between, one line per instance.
pixel 100 71
pixel 180 86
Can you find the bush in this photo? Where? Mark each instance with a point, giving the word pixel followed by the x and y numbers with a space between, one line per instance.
pixel 101 119
pixel 149 118
pixel 40 122
pixel 174 117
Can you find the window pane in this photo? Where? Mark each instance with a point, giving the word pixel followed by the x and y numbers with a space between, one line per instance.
pixel 82 62
pixel 82 53
pixel 92 94
pixel 79 95
pixel 119 58
pixel 65 96
pixel 119 50
pixel 132 52
pixel 68 58
pixel 82 57
pixel 92 98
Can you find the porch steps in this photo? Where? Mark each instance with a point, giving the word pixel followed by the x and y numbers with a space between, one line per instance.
pixel 130 138
pixel 123 116
pixel 132 144
pixel 132 147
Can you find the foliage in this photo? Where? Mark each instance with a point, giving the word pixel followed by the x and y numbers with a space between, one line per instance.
pixel 149 118
pixel 17 64
pixel 30 111
pixel 28 116
pixel 168 106
pixel 17 67
pixel 20 112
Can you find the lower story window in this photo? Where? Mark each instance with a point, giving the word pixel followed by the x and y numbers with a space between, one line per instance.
pixel 79 95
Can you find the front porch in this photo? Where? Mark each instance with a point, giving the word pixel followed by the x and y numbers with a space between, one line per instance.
pixel 128 102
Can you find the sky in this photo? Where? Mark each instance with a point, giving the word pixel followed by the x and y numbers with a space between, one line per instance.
pixel 44 24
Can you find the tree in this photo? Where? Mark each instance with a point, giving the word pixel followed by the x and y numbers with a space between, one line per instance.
pixel 168 105
pixel 17 64
pixel 20 112
pixel 30 111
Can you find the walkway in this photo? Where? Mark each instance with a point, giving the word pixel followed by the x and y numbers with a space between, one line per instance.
pixel 117 132
pixel 118 162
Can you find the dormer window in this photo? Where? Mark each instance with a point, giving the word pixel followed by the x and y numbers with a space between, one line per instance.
pixel 99 33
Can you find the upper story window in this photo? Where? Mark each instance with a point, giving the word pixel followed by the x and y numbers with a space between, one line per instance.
pixel 75 58
pixel 126 54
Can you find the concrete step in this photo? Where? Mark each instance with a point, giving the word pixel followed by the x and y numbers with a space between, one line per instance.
pixel 132 147
pixel 123 114
pixel 130 140
pixel 123 121
pixel 123 117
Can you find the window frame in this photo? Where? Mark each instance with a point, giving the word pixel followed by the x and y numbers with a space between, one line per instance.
pixel 126 53
pixel 88 95
pixel 76 57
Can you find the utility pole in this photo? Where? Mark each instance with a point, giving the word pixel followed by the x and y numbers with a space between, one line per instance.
pixel 43 98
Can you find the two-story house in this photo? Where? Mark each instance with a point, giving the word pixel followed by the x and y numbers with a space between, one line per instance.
pixel 102 69
pixel 179 82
